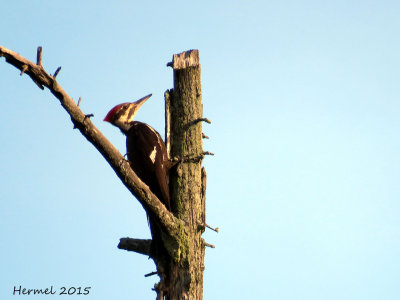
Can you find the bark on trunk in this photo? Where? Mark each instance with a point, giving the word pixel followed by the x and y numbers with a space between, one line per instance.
pixel 184 134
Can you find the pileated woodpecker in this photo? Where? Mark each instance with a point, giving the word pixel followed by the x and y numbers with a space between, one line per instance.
pixel 147 155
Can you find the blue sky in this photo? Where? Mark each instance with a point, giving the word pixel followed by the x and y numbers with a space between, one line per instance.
pixel 304 102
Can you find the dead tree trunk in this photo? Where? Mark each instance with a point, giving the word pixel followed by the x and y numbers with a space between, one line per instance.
pixel 184 135
pixel 181 267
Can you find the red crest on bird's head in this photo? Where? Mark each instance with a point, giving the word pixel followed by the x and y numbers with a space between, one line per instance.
pixel 111 114
pixel 123 114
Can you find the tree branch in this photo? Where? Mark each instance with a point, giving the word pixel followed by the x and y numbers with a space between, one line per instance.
pixel 136 245
pixel 121 167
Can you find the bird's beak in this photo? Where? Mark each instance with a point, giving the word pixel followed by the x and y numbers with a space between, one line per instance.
pixel 134 108
pixel 137 104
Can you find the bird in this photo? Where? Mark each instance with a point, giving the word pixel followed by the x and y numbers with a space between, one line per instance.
pixel 147 155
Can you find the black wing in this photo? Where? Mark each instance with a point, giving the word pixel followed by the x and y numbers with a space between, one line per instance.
pixel 147 155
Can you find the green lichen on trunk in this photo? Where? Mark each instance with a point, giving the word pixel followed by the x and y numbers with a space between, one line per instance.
pixel 178 249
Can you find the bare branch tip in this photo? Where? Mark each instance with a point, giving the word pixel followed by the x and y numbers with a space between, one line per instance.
pixel 214 229
pixel 23 70
pixel 39 56
pixel 135 245
pixel 208 153
pixel 79 102
pixel 209 245
pixel 56 72
pixel 150 274
pixel 204 136
pixel 206 120
pixel 194 122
